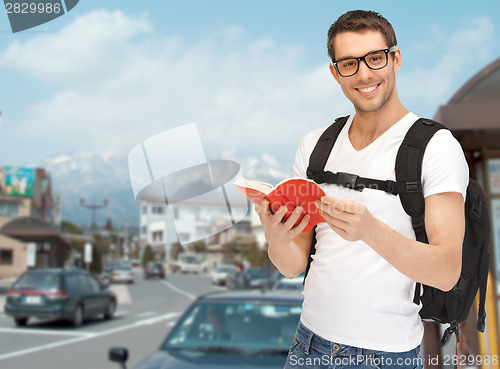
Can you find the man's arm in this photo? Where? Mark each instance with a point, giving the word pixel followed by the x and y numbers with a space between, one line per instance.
pixel 288 245
pixel 437 264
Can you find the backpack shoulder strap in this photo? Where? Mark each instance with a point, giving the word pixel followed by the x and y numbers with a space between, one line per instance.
pixel 321 151
pixel 317 162
pixel 409 173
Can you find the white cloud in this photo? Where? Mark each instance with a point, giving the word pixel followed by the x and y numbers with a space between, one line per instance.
pixel 118 86
pixel 462 53
pixel 118 82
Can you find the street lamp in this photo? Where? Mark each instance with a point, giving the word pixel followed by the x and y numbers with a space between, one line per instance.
pixel 94 207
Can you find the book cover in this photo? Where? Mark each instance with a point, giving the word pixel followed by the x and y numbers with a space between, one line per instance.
pixel 291 192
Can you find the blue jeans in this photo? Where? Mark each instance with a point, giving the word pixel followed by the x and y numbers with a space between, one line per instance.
pixel 314 352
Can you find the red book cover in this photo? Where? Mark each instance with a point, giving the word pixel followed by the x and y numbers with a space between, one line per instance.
pixel 291 192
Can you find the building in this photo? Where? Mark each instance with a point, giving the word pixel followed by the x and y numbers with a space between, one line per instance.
pixel 162 226
pixel 28 237
pixel 473 116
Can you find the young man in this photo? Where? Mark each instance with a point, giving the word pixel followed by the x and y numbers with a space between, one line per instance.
pixel 358 296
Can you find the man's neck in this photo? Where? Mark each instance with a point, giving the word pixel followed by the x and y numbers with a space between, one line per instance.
pixel 368 126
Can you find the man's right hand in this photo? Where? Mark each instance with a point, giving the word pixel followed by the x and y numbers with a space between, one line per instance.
pixel 288 245
pixel 278 231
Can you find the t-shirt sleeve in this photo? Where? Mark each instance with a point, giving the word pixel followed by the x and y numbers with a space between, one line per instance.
pixel 304 151
pixel 444 168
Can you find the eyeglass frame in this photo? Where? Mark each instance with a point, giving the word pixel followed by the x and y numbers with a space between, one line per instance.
pixel 359 59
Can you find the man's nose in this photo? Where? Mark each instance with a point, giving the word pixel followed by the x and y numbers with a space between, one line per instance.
pixel 364 73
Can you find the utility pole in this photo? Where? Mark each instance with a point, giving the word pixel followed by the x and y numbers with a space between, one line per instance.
pixel 93 207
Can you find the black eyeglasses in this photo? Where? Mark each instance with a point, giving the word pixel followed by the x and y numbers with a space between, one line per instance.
pixel 374 60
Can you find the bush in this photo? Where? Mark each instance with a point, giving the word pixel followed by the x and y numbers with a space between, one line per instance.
pixel 147 255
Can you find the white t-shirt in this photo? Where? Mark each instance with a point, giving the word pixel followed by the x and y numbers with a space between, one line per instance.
pixel 352 295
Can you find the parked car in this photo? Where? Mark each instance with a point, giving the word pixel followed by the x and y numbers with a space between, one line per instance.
pixel 152 269
pixel 221 272
pixel 277 278
pixel 232 330
pixel 285 284
pixel 190 263
pixel 123 273
pixel 259 277
pixel 56 293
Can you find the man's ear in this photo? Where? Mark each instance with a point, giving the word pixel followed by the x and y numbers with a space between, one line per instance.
pixel 397 59
pixel 334 72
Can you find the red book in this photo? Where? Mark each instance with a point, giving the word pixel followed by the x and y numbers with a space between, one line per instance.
pixel 291 192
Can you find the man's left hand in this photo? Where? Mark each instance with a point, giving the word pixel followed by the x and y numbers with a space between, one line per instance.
pixel 350 220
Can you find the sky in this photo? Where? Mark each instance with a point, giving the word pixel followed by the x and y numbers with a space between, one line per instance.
pixel 252 74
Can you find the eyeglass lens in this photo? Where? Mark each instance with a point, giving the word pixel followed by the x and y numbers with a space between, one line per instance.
pixel 374 60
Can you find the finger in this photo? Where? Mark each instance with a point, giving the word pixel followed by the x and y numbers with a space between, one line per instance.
pixel 264 207
pixel 339 205
pixel 341 232
pixel 337 219
pixel 292 219
pixel 280 213
pixel 302 224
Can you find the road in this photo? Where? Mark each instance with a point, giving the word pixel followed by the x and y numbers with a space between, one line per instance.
pixel 146 312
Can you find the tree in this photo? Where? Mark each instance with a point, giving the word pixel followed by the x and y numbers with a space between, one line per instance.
pixel 256 256
pixel 71 228
pixel 96 264
pixel 175 251
pixel 147 255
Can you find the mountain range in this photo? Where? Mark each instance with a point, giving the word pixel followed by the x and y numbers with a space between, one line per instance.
pixel 97 176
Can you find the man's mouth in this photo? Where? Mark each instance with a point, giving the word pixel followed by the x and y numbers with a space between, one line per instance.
pixel 367 90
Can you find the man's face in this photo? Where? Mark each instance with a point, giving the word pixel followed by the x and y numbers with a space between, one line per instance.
pixel 369 90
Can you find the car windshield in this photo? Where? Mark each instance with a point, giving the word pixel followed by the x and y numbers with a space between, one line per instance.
pixel 224 268
pixel 255 273
pixel 123 268
pixel 250 326
pixel 189 259
pixel 290 286
pixel 38 281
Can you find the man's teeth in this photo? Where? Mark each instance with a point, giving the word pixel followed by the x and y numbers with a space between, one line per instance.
pixel 368 89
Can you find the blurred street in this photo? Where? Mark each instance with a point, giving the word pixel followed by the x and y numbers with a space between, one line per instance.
pixel 146 312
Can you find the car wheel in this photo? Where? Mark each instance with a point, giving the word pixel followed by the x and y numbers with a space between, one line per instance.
pixel 77 317
pixel 21 322
pixel 110 310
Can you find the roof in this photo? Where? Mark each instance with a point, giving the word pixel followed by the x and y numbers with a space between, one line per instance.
pixel 483 85
pixel 57 270
pixel 469 112
pixel 31 229
pixel 252 295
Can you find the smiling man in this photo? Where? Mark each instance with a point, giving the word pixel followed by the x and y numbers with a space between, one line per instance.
pixel 358 296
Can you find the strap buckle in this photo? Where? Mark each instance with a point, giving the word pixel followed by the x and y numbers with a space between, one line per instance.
pixel 348 180
pixel 413 186
pixel 418 223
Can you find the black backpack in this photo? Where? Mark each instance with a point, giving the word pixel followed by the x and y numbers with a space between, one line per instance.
pixel 450 307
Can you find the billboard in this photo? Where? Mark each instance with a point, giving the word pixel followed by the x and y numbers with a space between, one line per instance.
pixel 19 181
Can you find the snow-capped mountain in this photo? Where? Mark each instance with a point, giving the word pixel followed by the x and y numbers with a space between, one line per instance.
pixel 98 176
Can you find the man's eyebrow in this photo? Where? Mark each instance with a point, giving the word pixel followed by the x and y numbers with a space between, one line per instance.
pixel 354 57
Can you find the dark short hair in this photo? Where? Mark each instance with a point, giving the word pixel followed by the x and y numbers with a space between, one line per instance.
pixel 357 21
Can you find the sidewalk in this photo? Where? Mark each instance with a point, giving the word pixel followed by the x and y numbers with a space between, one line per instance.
pixel 4 286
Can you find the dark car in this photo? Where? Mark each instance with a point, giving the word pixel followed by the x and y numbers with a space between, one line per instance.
pixel 153 269
pixel 259 277
pixel 232 330
pixel 58 294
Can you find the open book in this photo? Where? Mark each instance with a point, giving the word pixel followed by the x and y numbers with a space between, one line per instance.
pixel 291 192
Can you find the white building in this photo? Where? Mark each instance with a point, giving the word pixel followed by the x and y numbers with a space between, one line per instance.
pixel 162 225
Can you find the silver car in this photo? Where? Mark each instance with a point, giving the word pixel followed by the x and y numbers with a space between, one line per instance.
pixel 123 273
pixel 221 272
